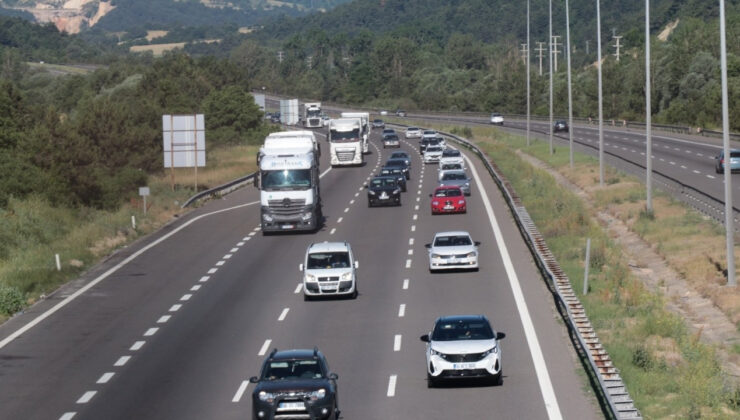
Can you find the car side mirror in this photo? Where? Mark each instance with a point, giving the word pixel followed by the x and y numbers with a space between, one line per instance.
pixel 357 265
pixel 300 267
pixel 427 246
pixel 365 185
pixel 424 338
pixel 500 335
pixel 477 243
pixel 254 379
pixel 257 181
pixel 333 376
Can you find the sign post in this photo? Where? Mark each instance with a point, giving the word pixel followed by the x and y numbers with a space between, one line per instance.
pixel 143 192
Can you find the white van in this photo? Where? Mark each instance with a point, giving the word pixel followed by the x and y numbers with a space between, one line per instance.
pixel 329 269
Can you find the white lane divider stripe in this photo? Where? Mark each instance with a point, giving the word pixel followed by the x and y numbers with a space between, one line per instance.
pixel 234 250
pixel 175 308
pixel 186 297
pixel 227 256
pixel 204 279
pixel 252 234
pixel 543 376
pixel 212 271
pixel 240 392
pixel 416 216
pixel 402 310
pixel 86 397
pixel 195 288
pixel 413 228
pixel 411 252
pixel 397 342
pixel 283 314
pixel 163 319
pixel 263 349
pixel 340 220
pixel 411 241
pixel 137 345
pixel 151 331
pixel 346 210
pixel 392 385
pixel 240 243
pixel 68 416
pixel 405 284
pixel 220 263
pixel 105 378
pixel 408 263
pixel 332 231
pixel 122 361
pixel 298 288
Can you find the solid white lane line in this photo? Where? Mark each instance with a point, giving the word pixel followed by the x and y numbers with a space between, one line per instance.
pixel 220 263
pixel 175 308
pixel 204 279
pixel 122 361
pixel 332 231
pixel 163 319
pixel 240 392
pixel 397 342
pixel 212 271
pixel 227 256
pixel 543 376
pixel 137 345
pixel 408 263
pixel 151 331
pixel 405 284
pixel 195 288
pixel 325 172
pixel 186 297
pixel 105 378
pixel 283 314
pixel 340 220
pixel 263 349
pixel 298 288
pixel 392 385
pixel 86 397
pixel 68 416
pixel 402 310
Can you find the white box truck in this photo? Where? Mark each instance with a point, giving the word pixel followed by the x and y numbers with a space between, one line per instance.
pixel 289 114
pixel 365 118
pixel 312 115
pixel 345 141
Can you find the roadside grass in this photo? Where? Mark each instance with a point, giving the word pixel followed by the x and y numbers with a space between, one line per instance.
pixel 669 372
pixel 32 231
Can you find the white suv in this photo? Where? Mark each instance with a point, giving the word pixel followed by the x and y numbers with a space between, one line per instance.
pixel 329 269
pixel 497 119
pixel 413 133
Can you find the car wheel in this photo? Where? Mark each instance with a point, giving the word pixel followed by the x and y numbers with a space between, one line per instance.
pixel 354 294
pixel 369 204
pixel 307 298
pixel 431 382
pixel 498 380
pixel 719 171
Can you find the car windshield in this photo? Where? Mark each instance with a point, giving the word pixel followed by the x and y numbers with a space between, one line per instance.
pixel 449 166
pixel 454 240
pixel 286 179
pixel 451 153
pixel 453 176
pixel 279 370
pixel 378 121
pixel 462 330
pixel 495 114
pixel 395 162
pixel 735 154
pixel 345 136
pixel 430 132
pixel 325 260
pixel 434 149
pixel 412 128
pixel 383 182
pixel 399 155
pixel 448 192
pixel 391 137
pixel 389 131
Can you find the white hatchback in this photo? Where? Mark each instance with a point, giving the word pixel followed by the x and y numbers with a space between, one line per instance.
pixel 329 269
pixel 453 250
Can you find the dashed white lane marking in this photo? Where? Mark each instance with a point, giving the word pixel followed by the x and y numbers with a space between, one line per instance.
pixel 247 238
pixel 408 263
pixel 240 392
pixel 662 160
pixel 710 176
pixel 234 250
pixel 340 220
pixel 151 331
pixel 68 416
pixel 264 347
pixel 642 153
pixel 240 244
pixel 392 385
pixel 175 308
pixel 122 361
pixel 186 297
pixel 298 288
pixel 220 263
pixel 361 188
pixel 256 229
pixel 672 163
pixel 633 150
pixel 413 228
pixel 105 378
pixel 397 342
pixel 416 207
pixel 677 149
pixel 332 231
pixel 418 199
pixel 700 154
pixel 357 194
pixel 86 397
pixel 212 271
pixel 163 319
pixel 346 210
pixel 411 252
pixel 696 172
pixel 195 288
pixel 204 279
pixel 418 192
pixel 137 345
pixel 227 256
pixel 352 201
pixel 402 310
pixel 283 314
pixel 416 216
pixel 252 234
pixel 411 241
pixel 405 284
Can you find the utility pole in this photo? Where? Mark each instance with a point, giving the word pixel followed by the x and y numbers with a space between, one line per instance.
pixel 555 51
pixel 570 85
pixel 552 150
pixel 525 52
pixel 601 99
pixel 280 57
pixel 541 51
pixel 587 49
pixel 528 75
pixel 729 214
pixel 617 45
pixel 648 115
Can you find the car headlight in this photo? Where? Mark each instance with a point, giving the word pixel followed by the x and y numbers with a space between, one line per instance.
pixel 436 256
pixel 472 255
pixel 467 184
pixel 310 277
pixel 317 395
pixel 494 350
pixel 347 276
pixel 307 216
pixel 397 191
pixel 461 202
pixel 371 192
pixel 266 396
pixel 267 217
pixel 435 203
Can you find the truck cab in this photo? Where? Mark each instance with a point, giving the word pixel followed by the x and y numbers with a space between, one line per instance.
pixel 345 141
pixel 366 127
pixel 312 115
pixel 295 139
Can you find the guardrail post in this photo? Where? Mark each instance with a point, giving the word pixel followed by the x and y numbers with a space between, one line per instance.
pixel 587 264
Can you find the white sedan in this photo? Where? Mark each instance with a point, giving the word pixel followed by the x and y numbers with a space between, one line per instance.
pixel 413 133
pixel 463 346
pixel 453 250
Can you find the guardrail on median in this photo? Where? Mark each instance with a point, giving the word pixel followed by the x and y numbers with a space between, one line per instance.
pixel 221 189
pixel 613 389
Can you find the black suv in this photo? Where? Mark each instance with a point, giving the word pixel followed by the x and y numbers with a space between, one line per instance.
pixel 399 163
pixel 295 384
pixel 383 190
pixel 395 172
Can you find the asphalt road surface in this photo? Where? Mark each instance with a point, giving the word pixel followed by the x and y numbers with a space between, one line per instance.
pixel 173 326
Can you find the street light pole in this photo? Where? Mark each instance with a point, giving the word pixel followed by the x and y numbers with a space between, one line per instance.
pixel 528 91
pixel 550 61
pixel 570 88
pixel 601 103
pixel 648 113
pixel 729 216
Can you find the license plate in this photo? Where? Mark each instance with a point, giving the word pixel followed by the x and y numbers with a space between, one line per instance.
pixel 292 405
pixel 449 207
pixel 287 226
pixel 461 366
pixel 331 288
pixel 453 260
pixel 383 196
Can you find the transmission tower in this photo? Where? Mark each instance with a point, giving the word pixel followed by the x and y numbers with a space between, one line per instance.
pixel 555 51
pixel 524 53
pixel 617 46
pixel 541 51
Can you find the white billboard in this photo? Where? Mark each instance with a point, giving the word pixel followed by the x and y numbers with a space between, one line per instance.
pixel 184 140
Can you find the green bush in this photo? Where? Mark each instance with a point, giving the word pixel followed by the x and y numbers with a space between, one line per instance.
pixel 11 300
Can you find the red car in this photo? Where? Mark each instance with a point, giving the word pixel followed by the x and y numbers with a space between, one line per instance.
pixel 448 199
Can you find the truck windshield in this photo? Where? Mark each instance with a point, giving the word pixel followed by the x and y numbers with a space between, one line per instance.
pixel 345 136
pixel 287 179
pixel 314 112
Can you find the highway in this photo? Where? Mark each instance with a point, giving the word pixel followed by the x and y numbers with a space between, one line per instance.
pixel 186 317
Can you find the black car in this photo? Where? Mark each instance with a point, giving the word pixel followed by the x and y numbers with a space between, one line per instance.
pixel 378 124
pixel 391 140
pixel 275 118
pixel 401 155
pixel 560 125
pixel 399 163
pixel 397 173
pixel 295 384
pixel 383 190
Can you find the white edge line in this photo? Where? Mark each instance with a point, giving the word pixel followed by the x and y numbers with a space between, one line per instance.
pixel 240 392
pixel 543 376
pixel 110 271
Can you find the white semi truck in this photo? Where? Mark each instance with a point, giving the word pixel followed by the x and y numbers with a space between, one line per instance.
pixel 291 139
pixel 312 115
pixel 288 180
pixel 365 118
pixel 289 114
pixel 345 141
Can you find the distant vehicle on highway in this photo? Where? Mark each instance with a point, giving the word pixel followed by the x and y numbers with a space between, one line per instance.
pixel 383 190
pixel 451 156
pixel 388 132
pixel 443 167
pixel 448 199
pixel 401 155
pixel 560 125
pixel 429 133
pixel 463 346
pixel 275 118
pixel 432 154
pixel 329 269
pixel 456 178
pixel 397 173
pixel 399 163
pixel 413 133
pixel 378 124
pixel 400 113
pixel 295 384
pixel 383 112
pixel 497 119
pixel 391 140
pixel 719 161
pixel 453 250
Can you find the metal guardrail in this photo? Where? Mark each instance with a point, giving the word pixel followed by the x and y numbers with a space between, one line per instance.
pixel 613 388
pixel 221 189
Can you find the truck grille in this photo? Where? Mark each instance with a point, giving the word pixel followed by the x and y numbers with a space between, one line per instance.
pixel 347 156
pixel 314 121
pixel 328 278
pixel 286 206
